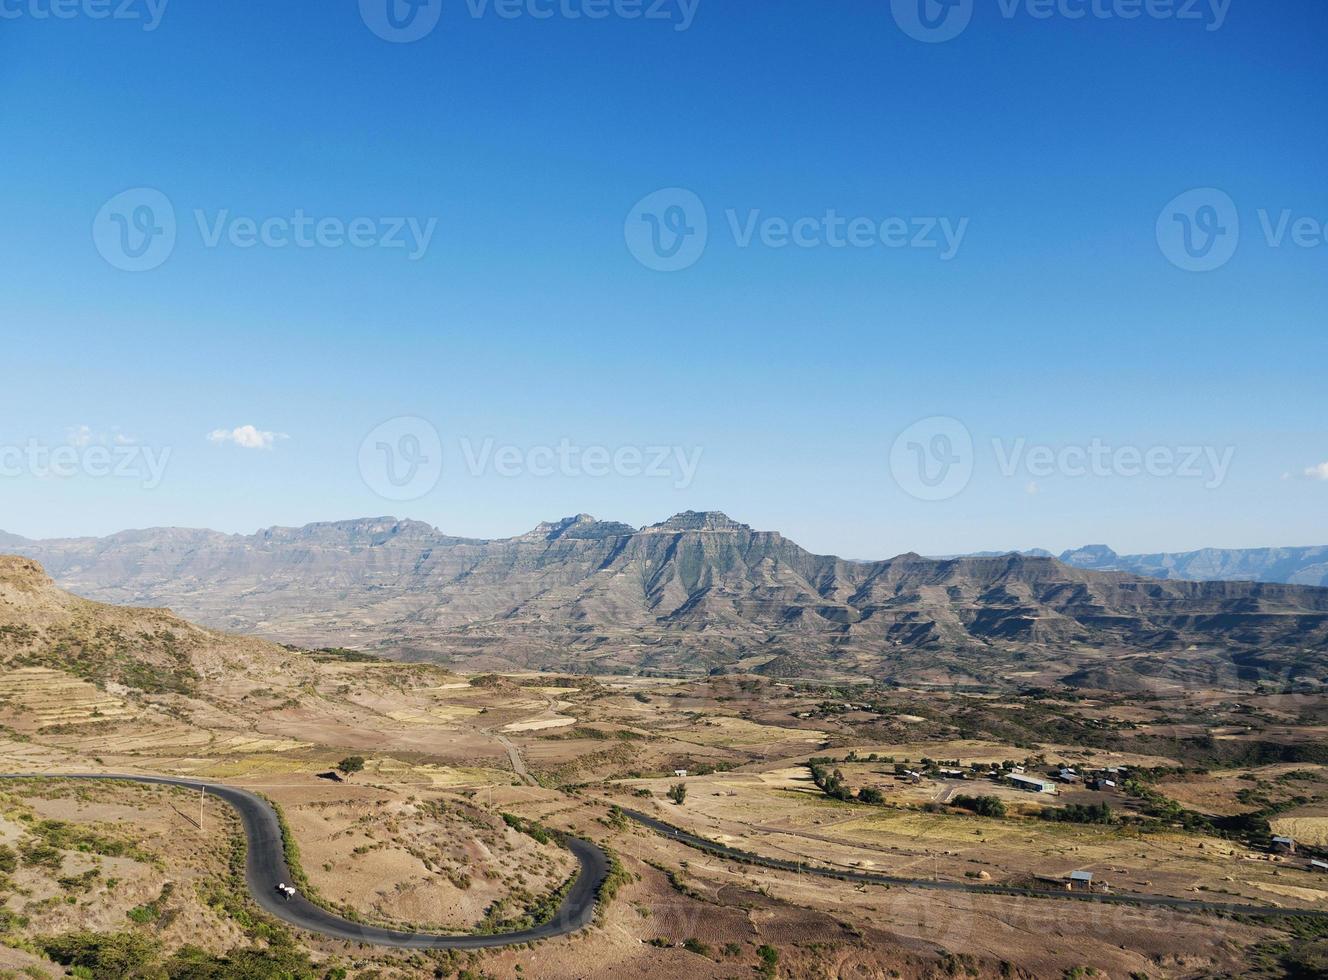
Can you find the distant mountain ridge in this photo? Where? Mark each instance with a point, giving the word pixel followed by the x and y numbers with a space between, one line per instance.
pixel 699 591
pixel 1295 566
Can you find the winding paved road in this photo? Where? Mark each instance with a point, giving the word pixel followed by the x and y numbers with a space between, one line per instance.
pixel 868 878
pixel 265 867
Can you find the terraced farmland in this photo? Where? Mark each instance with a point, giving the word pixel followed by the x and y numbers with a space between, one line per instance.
pixel 44 698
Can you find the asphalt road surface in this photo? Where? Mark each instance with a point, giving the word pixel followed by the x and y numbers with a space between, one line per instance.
pixel 867 878
pixel 265 868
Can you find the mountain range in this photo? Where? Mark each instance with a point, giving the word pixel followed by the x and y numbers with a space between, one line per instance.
pixel 1297 566
pixel 698 592
pixel 1294 566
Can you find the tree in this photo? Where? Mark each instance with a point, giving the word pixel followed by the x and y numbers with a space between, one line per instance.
pixel 870 794
pixel 983 806
pixel 350 765
pixel 678 793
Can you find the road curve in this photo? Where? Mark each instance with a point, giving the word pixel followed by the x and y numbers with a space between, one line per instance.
pixel 265 867
pixel 868 878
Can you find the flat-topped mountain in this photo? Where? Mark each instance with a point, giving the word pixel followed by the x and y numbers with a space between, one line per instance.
pixel 699 591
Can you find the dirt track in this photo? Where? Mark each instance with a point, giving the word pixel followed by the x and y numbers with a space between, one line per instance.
pixel 868 878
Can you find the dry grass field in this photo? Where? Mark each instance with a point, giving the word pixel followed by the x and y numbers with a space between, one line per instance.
pixel 418 837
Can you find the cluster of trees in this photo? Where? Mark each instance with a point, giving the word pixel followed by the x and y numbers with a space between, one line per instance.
pixel 831 783
pixel 983 806
pixel 1099 813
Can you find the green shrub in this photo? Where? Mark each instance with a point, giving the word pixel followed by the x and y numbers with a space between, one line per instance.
pixel 39 854
pixel 1095 813
pixel 274 963
pixel 983 806
pixel 106 956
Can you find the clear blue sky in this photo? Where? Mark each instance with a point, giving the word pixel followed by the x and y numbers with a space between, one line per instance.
pixel 528 320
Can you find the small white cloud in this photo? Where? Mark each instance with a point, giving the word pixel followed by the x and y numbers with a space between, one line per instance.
pixel 123 440
pixel 247 437
pixel 1319 472
pixel 1032 488
pixel 79 435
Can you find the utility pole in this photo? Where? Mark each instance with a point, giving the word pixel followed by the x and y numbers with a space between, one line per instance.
pixel 201 797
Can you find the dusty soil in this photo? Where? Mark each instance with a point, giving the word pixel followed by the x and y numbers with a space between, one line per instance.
pixel 417 838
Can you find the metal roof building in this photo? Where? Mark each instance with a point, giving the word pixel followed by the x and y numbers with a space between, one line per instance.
pixel 1032 783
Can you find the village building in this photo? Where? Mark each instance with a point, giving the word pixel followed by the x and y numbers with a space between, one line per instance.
pixel 1081 881
pixel 1032 784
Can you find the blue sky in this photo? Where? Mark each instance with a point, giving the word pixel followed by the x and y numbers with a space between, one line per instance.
pixel 1058 323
